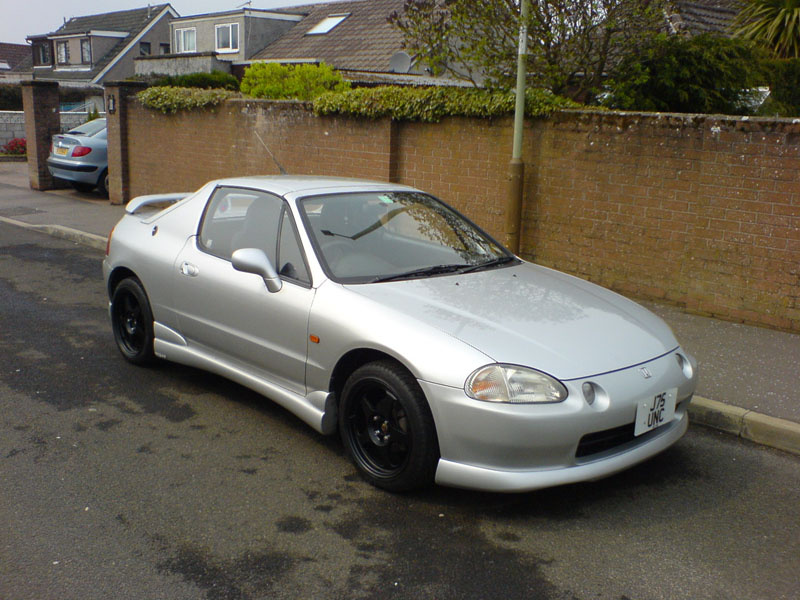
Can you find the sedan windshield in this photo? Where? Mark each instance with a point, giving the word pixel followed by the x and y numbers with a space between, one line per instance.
pixel 388 236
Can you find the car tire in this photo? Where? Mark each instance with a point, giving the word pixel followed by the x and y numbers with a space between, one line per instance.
pixel 132 322
pixel 387 428
pixel 102 183
pixel 82 187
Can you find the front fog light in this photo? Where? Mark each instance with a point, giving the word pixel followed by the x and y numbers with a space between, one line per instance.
pixel 588 393
pixel 685 365
pixel 515 385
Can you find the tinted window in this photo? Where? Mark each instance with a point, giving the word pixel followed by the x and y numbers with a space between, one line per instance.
pixel 364 237
pixel 238 218
pixel 291 263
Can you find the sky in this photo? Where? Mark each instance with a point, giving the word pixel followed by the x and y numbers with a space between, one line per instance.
pixel 21 18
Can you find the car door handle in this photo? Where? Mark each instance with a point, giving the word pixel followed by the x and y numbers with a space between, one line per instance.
pixel 189 269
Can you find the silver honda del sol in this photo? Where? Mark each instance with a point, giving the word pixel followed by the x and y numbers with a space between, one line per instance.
pixel 377 311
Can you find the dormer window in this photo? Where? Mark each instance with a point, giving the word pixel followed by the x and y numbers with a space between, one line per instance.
pixel 86 51
pixel 185 40
pixel 42 54
pixel 327 24
pixel 62 52
pixel 228 37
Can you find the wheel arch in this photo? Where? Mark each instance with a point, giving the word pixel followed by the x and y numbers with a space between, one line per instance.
pixel 117 275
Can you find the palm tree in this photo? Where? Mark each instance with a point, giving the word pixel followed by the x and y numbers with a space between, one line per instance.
pixel 774 24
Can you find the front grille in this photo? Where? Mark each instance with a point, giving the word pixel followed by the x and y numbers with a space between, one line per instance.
pixel 600 441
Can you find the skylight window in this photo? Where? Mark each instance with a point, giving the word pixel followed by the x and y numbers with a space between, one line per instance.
pixel 327 24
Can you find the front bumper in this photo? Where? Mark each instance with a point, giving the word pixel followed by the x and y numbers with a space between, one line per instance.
pixel 516 448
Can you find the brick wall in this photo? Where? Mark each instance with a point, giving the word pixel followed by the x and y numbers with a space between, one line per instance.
pixel 699 211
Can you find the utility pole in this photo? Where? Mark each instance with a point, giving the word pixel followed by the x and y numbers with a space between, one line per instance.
pixel 516 169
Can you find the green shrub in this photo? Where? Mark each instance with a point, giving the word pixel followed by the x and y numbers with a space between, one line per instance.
pixel 10 96
pixel 784 83
pixel 703 74
pixel 432 104
pixel 213 80
pixel 170 99
pixel 302 82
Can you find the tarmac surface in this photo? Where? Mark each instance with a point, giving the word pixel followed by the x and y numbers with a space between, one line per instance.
pixel 749 376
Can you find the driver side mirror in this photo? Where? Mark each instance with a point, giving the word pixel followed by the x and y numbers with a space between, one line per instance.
pixel 253 260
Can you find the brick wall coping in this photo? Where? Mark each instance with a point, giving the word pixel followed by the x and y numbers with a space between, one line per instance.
pixel 630 118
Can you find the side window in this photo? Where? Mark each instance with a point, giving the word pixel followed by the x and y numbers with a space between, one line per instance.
pixel 239 218
pixel 290 258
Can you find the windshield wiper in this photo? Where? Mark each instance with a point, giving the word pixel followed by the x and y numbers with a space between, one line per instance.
pixel 490 264
pixel 426 272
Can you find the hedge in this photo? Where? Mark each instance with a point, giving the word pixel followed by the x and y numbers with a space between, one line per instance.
pixel 171 99
pixel 213 80
pixel 433 104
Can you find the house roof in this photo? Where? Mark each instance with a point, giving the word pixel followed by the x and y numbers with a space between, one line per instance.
pixel 703 16
pixel 246 12
pixel 364 41
pixel 14 54
pixel 131 22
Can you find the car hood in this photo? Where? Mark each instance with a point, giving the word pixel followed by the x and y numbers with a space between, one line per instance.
pixel 534 316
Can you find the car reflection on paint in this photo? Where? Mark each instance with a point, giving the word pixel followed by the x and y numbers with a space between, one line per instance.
pixel 378 312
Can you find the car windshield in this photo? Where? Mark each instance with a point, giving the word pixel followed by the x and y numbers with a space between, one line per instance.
pixel 89 129
pixel 387 236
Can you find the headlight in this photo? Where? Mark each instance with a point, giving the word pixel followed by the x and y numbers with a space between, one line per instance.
pixel 515 385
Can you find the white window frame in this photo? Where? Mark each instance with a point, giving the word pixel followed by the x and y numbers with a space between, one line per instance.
pixel 86 43
pixel 231 37
pixel 62 44
pixel 180 40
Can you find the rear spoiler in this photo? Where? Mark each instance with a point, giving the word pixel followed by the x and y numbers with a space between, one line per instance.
pixel 150 200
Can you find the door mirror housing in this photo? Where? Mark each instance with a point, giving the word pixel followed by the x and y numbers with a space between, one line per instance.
pixel 255 261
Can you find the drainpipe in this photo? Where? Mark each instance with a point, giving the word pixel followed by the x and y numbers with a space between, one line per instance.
pixel 516 168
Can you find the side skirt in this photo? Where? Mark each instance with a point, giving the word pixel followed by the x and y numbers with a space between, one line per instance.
pixel 317 408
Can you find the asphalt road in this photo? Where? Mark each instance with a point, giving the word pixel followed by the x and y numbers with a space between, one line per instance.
pixel 123 482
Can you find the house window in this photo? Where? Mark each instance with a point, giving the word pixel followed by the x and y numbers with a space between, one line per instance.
pixel 228 37
pixel 86 51
pixel 185 40
pixel 163 48
pixel 144 48
pixel 327 24
pixel 62 52
pixel 41 54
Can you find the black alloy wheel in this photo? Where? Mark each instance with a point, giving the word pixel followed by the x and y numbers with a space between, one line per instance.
pixel 132 322
pixel 387 428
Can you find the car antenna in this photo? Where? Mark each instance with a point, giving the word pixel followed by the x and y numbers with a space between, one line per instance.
pixel 271 155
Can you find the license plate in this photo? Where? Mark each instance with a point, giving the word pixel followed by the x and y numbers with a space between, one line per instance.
pixel 62 151
pixel 655 412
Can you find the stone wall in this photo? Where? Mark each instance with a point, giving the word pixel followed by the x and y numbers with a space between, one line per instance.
pixel 699 211
pixel 12 123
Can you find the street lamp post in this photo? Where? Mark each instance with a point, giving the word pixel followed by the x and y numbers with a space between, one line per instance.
pixel 516 170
